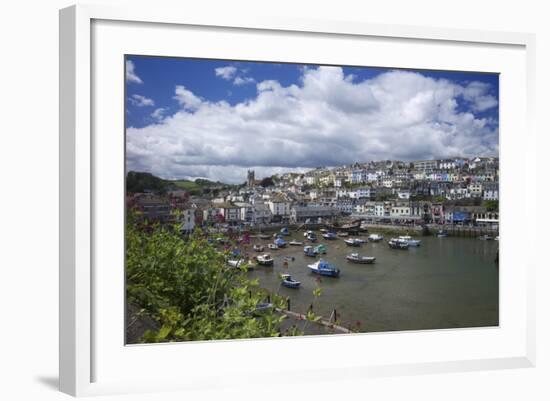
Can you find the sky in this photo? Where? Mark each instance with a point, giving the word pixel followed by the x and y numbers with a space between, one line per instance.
pixel 215 119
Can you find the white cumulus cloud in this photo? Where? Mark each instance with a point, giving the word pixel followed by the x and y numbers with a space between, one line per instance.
pixel 328 119
pixel 226 73
pixel 186 98
pixel 141 101
pixel 131 75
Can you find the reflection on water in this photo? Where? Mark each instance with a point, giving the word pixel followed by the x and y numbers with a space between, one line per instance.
pixel 444 283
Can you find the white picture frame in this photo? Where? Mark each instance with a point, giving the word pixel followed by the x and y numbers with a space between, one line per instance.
pixel 82 346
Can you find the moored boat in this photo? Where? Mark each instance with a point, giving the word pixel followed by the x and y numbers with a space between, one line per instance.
pixel 235 262
pixel 281 243
pixel 442 234
pixel 266 259
pixel 309 251
pixel 324 268
pixel 396 243
pixel 352 242
pixel 295 243
pixel 265 236
pixel 355 258
pixel 258 248
pixel 312 237
pixel 320 249
pixel 288 281
pixel 485 237
pixel 272 246
pixel 284 231
pixel 375 237
pixel 410 240
pixel 329 236
pixel 342 234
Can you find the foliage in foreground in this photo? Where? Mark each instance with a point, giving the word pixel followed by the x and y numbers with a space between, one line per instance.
pixel 185 287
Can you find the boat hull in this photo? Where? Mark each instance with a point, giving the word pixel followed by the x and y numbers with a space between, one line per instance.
pixel 368 261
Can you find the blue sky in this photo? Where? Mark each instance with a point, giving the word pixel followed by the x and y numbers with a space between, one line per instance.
pixel 190 118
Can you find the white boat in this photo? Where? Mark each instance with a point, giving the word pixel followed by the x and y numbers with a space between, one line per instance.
pixel 353 242
pixel 397 243
pixel 486 237
pixel 324 268
pixel 266 259
pixel 375 237
pixel 409 240
pixel 235 262
pixel 258 248
pixel 272 246
pixel 295 243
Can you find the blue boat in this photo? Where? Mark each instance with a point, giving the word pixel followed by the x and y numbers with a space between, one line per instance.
pixel 310 251
pixel 281 243
pixel 284 231
pixel 324 268
pixel 289 282
pixel 329 236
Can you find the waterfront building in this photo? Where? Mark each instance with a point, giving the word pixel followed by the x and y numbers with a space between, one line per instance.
pixel 300 214
pixel 261 214
pixel 279 207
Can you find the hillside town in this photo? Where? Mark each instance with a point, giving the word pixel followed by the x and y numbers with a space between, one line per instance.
pixel 456 191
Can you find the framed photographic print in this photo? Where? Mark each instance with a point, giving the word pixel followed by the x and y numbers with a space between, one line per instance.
pixel 238 191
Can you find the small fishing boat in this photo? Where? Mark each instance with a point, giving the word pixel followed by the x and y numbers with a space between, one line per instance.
pixel 258 248
pixel 295 243
pixel 272 246
pixel 284 231
pixel 265 236
pixel 375 237
pixel 281 243
pixel 485 237
pixel 355 258
pixel 288 281
pixel 410 240
pixel 265 260
pixel 396 243
pixel 320 249
pixel 323 230
pixel 342 234
pixel 324 268
pixel 289 258
pixel 235 262
pixel 329 236
pixel 308 232
pixel 442 234
pixel 312 237
pixel 352 242
pixel 309 251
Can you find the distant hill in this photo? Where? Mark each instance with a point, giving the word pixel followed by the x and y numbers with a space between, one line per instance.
pixel 141 182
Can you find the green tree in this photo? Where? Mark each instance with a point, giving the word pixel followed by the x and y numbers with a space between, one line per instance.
pixel 186 288
pixel 491 205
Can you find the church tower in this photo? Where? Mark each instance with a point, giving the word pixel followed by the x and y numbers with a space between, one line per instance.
pixel 250 178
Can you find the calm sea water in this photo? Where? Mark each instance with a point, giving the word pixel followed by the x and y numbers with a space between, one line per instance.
pixel 444 283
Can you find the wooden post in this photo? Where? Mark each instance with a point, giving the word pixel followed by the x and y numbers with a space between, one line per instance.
pixel 268 298
pixel 288 304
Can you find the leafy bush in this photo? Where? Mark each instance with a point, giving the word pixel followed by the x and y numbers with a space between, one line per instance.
pixel 186 288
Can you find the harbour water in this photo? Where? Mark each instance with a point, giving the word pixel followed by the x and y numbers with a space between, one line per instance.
pixel 445 283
